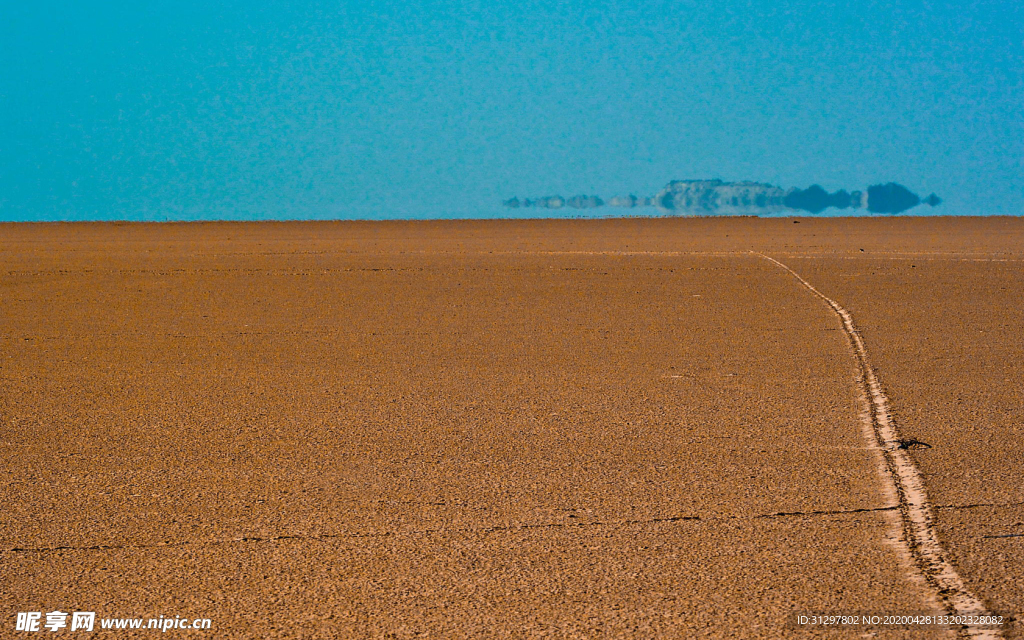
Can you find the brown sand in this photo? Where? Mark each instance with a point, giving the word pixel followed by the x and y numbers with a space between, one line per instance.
pixel 617 428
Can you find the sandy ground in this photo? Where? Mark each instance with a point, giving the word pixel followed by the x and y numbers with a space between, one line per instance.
pixel 571 429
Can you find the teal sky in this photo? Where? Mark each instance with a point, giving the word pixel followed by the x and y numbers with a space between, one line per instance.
pixel 291 109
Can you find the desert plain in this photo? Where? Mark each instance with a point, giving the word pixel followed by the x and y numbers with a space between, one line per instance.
pixel 622 428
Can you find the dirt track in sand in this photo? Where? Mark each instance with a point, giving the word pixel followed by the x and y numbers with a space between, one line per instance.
pixel 489 429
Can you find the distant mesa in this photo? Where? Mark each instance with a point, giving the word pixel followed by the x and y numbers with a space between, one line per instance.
pixel 720 198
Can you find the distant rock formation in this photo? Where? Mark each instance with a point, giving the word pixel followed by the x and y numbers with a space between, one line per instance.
pixel 629 201
pixel 547 202
pixel 584 202
pixel 720 198
pixel 557 202
pixel 716 197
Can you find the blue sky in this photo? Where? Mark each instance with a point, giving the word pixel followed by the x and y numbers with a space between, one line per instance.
pixel 291 109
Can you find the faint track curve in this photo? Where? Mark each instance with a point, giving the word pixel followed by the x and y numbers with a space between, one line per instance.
pixel 917 535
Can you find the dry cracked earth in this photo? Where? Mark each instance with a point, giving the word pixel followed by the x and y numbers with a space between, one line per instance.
pixel 505 429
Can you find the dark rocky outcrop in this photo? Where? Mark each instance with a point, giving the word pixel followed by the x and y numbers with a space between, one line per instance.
pixel 815 199
pixel 891 198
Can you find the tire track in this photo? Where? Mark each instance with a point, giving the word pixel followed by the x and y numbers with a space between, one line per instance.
pixel 916 533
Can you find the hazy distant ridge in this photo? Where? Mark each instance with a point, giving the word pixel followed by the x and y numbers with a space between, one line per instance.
pixel 717 197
